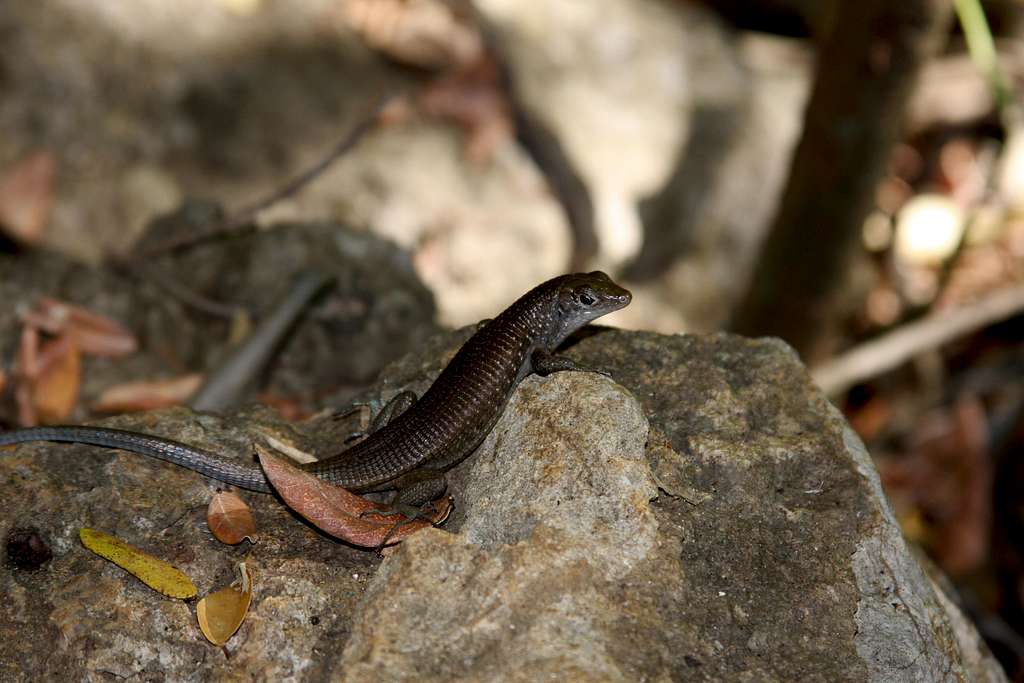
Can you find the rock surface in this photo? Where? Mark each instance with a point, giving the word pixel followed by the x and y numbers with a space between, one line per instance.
pixel 705 516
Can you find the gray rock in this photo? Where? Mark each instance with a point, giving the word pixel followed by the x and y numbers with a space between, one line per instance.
pixel 771 553
pixel 706 516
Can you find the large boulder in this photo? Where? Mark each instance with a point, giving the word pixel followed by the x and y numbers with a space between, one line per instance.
pixel 703 514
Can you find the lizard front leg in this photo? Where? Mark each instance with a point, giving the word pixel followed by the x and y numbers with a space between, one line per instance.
pixel 398 404
pixel 544 363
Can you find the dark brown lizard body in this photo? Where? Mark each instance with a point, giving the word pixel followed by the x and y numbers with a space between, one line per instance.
pixel 416 445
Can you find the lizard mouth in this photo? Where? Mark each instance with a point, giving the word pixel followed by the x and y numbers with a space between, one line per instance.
pixel 617 298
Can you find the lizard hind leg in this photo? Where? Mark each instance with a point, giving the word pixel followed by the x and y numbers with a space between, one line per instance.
pixel 545 363
pixel 415 491
pixel 398 404
pixel 415 498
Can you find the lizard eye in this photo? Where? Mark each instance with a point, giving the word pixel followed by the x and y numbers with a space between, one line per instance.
pixel 587 300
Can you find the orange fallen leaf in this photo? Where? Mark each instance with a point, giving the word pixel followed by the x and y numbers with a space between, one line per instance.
pixel 55 386
pixel 26 197
pixel 336 510
pixel 230 519
pixel 130 397
pixel 95 334
pixel 221 613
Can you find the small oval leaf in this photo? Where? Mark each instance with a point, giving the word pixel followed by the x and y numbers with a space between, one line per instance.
pixel 152 571
pixel 221 613
pixel 230 519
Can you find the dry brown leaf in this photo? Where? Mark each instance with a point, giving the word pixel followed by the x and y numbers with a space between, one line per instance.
pixel 152 571
pixel 944 482
pixel 95 334
pixel 221 613
pixel 428 34
pixel 230 519
pixel 288 408
pixel 26 368
pixel 58 380
pixel 473 98
pixel 336 510
pixel 147 394
pixel 26 197
pixel 869 419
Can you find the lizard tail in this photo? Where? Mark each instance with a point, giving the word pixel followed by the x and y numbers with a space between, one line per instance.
pixel 196 459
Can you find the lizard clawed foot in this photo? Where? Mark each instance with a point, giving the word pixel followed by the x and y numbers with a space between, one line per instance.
pixel 411 514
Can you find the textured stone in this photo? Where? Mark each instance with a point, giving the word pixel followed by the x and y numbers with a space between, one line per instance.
pixel 705 516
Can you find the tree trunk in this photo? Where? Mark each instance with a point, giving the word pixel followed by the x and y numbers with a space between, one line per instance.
pixel 865 75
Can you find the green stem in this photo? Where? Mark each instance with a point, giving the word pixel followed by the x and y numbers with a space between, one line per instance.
pixel 983 50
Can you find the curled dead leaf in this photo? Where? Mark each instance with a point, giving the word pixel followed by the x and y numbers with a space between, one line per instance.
pixel 95 334
pixel 57 381
pixel 152 571
pixel 230 519
pixel 336 510
pixel 221 613
pixel 27 367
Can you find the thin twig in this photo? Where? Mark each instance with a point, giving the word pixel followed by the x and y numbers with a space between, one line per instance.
pixel 178 290
pixel 895 348
pixel 365 124
pixel 246 214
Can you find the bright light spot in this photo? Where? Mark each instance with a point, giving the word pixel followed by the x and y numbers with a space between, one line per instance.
pixel 883 307
pixel 1011 171
pixel 877 231
pixel 928 229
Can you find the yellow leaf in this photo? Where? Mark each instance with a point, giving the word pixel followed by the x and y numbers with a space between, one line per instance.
pixel 152 571
pixel 221 613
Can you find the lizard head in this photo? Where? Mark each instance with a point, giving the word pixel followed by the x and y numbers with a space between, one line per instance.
pixel 583 297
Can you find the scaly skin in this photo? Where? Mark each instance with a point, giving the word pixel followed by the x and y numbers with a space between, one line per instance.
pixel 436 432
